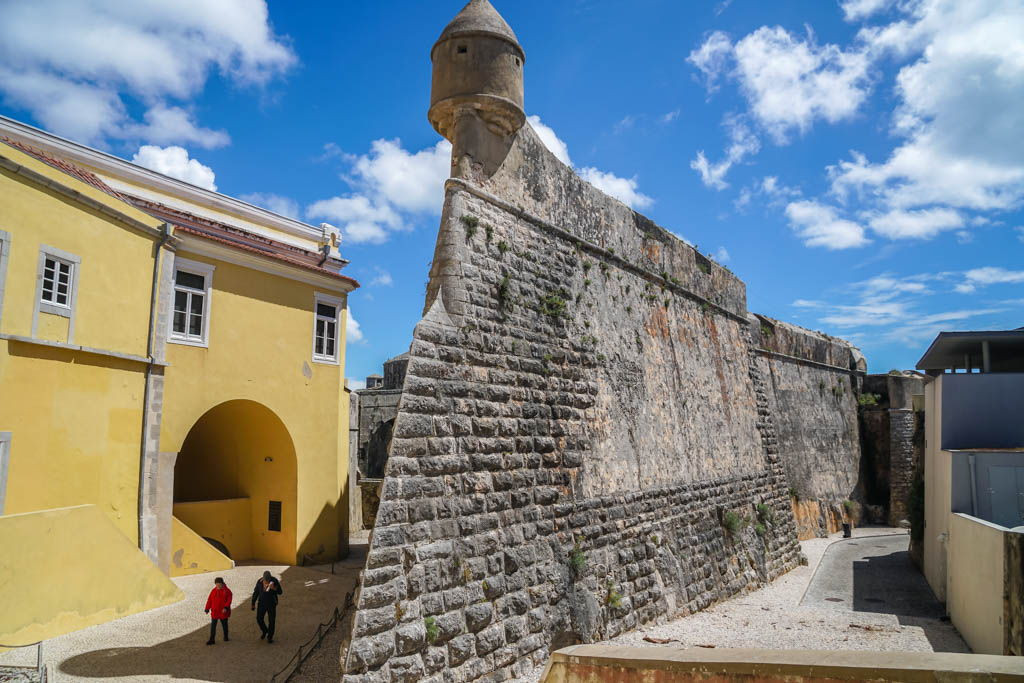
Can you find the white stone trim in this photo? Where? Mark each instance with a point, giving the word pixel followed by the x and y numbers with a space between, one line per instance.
pixel 339 308
pixel 5 252
pixel 5 459
pixel 204 270
pixel 203 247
pixel 40 306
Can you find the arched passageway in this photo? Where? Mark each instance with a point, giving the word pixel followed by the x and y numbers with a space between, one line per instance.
pixel 377 450
pixel 235 482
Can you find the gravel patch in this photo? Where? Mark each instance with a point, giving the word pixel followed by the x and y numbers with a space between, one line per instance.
pixel 773 618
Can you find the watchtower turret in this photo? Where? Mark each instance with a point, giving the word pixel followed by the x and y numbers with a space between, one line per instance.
pixel 477 92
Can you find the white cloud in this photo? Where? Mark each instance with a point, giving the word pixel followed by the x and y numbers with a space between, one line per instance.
pixel 671 116
pixel 353 332
pixel 1020 234
pixel 960 112
pixel 855 10
pixel 789 83
pixel 382 278
pixel 989 275
pixel 818 225
pixel 923 224
pixel 623 189
pixel 273 202
pixel 391 186
pixel 70 61
pixel 722 255
pixel 361 219
pixel 355 384
pixel 554 144
pixel 175 162
pixel 712 58
pixel 744 143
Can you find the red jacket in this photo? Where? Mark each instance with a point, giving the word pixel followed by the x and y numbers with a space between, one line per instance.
pixel 219 603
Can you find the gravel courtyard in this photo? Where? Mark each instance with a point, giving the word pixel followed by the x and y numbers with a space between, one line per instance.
pixel 781 616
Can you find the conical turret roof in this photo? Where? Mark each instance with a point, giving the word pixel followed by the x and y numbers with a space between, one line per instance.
pixel 479 17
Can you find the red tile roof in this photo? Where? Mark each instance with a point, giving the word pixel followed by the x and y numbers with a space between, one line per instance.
pixel 201 227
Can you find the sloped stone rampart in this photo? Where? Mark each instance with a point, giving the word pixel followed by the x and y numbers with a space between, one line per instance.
pixel 583 417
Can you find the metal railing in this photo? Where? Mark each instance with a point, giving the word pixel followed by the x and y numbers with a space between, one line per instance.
pixel 40 667
pixel 294 665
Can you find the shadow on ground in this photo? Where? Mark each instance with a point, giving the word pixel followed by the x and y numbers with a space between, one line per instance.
pixel 244 658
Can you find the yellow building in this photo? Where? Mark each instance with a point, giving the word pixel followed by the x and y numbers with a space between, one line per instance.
pixel 166 351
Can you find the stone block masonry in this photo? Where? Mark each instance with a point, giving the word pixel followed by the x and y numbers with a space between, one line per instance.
pixel 584 442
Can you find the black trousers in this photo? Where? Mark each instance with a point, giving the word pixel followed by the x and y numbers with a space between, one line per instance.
pixel 270 612
pixel 213 628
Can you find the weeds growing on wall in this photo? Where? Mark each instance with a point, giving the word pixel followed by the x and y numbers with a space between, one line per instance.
pixel 760 529
pixel 868 399
pixel 471 223
pixel 764 513
pixel 734 523
pixel 793 493
pixel 577 559
pixel 552 305
pixel 432 630
pixel 612 598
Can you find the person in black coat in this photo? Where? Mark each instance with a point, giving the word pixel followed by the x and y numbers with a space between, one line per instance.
pixel 264 595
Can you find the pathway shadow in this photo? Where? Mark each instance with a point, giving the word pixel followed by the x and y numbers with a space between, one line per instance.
pixel 890 584
pixel 244 658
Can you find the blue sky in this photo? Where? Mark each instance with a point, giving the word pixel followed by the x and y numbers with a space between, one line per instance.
pixel 858 163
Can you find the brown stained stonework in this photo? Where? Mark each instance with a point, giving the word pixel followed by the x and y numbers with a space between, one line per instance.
pixel 815 519
pixel 1013 594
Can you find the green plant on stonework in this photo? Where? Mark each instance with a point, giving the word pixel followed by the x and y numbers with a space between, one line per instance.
pixel 601 358
pixel 503 286
pixel 676 281
pixel 764 513
pixel 485 586
pixel 766 331
pixel 471 222
pixel 629 309
pixel 432 630
pixel 612 598
pixel 668 302
pixel 793 493
pixel 489 232
pixel 552 305
pixel 611 250
pixel 734 523
pixel 604 268
pixel 705 307
pixel 577 559
pixel 502 247
pixel 915 509
pixel 704 267
pixel 586 283
pixel 664 275
pixel 467 574
pixel 868 399
pixel 587 265
pixel 821 385
pixel 655 539
pixel 760 529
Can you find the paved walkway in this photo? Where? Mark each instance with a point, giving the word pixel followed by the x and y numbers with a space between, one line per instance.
pixel 169 642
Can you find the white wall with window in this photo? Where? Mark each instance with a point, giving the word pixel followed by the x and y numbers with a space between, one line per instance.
pixel 190 318
pixel 327 312
pixel 57 287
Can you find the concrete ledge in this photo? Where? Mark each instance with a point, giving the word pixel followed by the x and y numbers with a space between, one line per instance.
pixel 593 663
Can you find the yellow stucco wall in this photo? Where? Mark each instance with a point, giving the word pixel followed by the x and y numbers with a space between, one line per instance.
pixel 975 582
pixel 73 569
pixel 937 496
pixel 75 417
pixel 228 521
pixel 260 350
pixel 191 554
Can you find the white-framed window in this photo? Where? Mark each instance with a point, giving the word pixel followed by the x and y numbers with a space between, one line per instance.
pixel 5 458
pixel 57 281
pixel 327 311
pixel 190 305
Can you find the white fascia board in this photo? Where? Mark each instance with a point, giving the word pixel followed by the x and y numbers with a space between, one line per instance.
pixel 202 247
pixel 135 176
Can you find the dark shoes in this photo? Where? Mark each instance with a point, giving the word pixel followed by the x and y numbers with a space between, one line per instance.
pixel 209 642
pixel 270 640
pixel 262 636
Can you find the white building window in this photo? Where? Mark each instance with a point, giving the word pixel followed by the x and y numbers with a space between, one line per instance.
pixel 57 279
pixel 57 287
pixel 326 328
pixel 190 318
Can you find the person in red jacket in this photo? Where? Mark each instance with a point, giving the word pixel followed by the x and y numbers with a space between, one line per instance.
pixel 218 606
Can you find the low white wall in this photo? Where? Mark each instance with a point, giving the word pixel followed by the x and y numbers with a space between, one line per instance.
pixel 974 593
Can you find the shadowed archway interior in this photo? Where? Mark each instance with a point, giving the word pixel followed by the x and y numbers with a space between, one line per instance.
pixel 235 482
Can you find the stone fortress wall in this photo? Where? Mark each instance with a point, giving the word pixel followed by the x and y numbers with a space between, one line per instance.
pixel 814 382
pixel 593 433
pixel 583 414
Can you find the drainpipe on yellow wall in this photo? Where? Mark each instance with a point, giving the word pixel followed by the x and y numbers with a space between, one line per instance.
pixel 151 357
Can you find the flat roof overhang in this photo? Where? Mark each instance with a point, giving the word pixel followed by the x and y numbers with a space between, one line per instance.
pixel 949 349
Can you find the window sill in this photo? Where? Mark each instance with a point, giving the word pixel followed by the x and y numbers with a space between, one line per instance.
pixel 81 349
pixel 55 309
pixel 195 343
pixel 326 361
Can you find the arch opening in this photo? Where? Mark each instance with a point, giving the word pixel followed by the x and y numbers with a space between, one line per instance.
pixel 235 482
